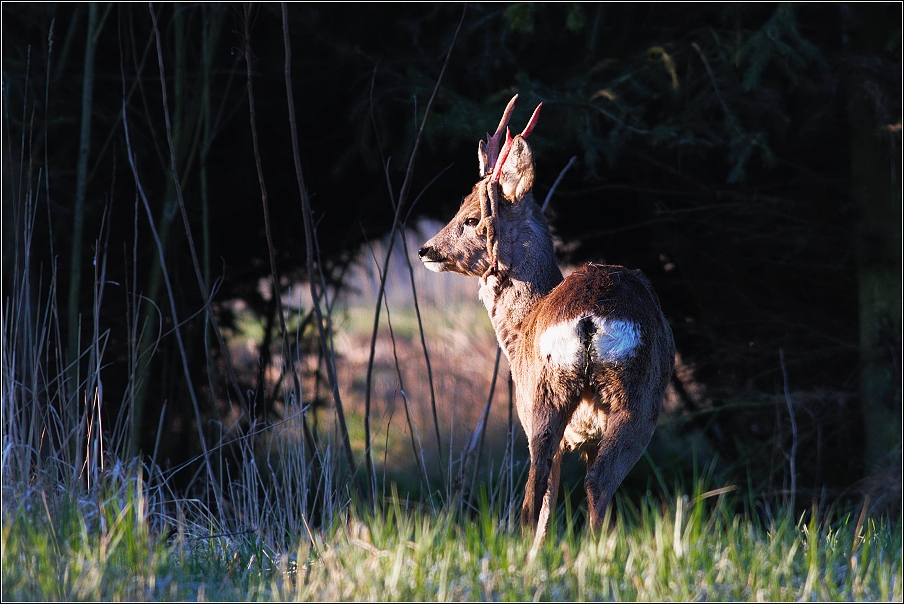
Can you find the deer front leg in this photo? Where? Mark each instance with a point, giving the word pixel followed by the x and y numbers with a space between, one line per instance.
pixel 551 496
pixel 549 504
pixel 547 430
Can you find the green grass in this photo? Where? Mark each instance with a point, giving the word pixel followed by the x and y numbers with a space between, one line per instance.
pixel 114 545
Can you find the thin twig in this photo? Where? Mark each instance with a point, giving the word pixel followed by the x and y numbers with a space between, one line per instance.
pixel 558 180
pixel 203 282
pixel 484 420
pixel 417 309
pixel 618 121
pixel 416 446
pixel 169 286
pixel 93 381
pixel 395 227
pixel 323 331
pixel 510 446
pixel 274 275
pixel 712 78
pixel 420 323
pixel 420 328
pixel 211 316
pixel 476 437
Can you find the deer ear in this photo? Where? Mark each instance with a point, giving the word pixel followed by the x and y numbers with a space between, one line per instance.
pixel 483 160
pixel 517 175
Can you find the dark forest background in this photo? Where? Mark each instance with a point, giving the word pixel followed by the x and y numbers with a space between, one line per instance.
pixel 746 157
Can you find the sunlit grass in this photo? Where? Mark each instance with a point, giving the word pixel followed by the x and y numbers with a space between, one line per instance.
pixel 698 547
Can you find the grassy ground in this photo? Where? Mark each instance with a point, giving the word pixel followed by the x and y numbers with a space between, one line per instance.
pixel 79 524
pixel 114 545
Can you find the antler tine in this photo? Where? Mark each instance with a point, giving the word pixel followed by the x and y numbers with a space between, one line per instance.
pixel 494 142
pixel 506 116
pixel 488 202
pixel 532 122
pixel 503 154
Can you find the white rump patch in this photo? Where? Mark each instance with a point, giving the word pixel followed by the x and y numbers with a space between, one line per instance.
pixel 615 340
pixel 561 344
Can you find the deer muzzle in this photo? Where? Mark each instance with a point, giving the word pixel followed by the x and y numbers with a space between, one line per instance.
pixel 432 259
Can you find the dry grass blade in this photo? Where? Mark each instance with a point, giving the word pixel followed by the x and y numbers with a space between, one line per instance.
pixel 792 459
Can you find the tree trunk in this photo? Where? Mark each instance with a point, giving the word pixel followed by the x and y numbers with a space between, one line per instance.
pixel 81 184
pixel 875 147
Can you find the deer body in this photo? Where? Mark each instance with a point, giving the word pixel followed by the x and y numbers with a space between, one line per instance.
pixel 590 354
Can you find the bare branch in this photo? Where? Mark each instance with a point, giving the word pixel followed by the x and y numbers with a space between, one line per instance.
pixel 368 455
pixel 555 185
pixel 323 330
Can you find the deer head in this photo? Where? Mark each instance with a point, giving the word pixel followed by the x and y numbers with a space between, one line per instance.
pixel 470 243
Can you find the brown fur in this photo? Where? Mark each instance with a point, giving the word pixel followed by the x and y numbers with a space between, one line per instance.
pixel 591 354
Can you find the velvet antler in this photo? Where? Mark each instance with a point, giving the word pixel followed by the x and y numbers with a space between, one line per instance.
pixel 495 158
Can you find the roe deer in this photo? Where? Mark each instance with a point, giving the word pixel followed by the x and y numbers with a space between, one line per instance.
pixel 590 354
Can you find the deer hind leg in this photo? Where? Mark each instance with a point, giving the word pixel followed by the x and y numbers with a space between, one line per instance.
pixel 624 441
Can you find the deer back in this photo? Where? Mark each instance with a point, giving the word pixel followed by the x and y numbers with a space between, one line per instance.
pixel 598 335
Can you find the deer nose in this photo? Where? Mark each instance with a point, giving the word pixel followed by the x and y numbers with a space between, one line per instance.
pixel 423 252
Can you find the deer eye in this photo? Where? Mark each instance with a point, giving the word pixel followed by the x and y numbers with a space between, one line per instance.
pixel 472 222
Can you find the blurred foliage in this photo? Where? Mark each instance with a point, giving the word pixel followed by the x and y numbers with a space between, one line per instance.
pixel 712 142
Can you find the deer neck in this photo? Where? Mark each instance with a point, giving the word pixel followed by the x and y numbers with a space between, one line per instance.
pixel 527 272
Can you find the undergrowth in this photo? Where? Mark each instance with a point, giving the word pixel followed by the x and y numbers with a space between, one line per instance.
pixel 115 543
